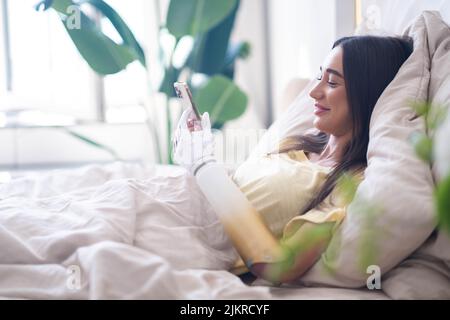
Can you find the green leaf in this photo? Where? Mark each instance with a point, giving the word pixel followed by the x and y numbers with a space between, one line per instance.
pixel 121 27
pixel 102 54
pixel 235 51
pixel 196 16
pixel 238 50
pixel 436 115
pixel 433 113
pixel 45 3
pixel 369 233
pixel 442 199
pixel 222 99
pixel 347 185
pixel 171 75
pixel 210 50
pixel 423 146
pixel 58 5
pixel 421 108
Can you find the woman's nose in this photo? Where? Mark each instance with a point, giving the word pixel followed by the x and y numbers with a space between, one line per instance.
pixel 315 92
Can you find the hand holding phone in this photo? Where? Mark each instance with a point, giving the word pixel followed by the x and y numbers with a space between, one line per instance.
pixel 194 147
pixel 184 93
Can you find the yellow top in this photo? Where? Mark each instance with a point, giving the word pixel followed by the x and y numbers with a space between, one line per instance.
pixel 279 186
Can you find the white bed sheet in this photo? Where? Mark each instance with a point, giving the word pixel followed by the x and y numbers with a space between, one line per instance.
pixel 123 231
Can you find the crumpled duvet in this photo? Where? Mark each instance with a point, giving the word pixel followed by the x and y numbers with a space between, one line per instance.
pixel 98 218
pixel 121 231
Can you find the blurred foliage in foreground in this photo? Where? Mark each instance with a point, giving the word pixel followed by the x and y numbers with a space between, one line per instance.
pixel 425 145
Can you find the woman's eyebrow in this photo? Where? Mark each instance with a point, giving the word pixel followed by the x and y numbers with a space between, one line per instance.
pixel 335 72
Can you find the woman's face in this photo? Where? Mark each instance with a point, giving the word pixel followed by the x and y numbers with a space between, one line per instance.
pixel 331 109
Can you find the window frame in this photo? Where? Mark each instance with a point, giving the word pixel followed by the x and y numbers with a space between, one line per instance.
pixel 96 96
pixel 5 40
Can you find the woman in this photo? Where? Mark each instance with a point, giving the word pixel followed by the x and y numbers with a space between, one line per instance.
pixel 351 79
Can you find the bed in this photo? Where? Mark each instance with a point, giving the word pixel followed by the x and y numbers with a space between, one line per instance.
pixel 128 231
pixel 122 231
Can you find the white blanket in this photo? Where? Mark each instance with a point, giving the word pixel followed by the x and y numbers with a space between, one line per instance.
pixel 121 231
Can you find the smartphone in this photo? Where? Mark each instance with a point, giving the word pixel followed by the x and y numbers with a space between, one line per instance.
pixel 184 93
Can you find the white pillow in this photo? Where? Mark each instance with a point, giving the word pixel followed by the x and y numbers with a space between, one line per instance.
pixel 426 273
pixel 396 181
pixel 439 92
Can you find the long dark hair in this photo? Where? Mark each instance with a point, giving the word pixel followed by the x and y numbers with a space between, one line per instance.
pixel 370 64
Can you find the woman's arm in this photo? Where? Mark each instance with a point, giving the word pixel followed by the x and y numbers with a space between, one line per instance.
pixel 265 256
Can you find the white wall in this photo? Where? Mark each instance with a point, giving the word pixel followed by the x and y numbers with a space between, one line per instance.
pixel 302 34
pixel 251 74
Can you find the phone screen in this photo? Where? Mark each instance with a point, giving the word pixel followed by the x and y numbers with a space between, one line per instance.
pixel 184 93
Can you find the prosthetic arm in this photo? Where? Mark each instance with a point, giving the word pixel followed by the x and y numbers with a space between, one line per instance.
pixel 263 254
pixel 251 237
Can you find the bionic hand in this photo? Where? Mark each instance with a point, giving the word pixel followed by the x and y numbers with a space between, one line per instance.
pixel 194 150
pixel 193 142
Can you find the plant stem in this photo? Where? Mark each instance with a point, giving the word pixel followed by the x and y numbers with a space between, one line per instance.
pixel 149 123
pixel 168 113
pixel 152 129
pixel 169 132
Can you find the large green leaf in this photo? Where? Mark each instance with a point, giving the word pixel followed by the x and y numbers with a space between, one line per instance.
pixel 171 75
pixel 222 99
pixel 58 5
pixel 101 53
pixel 45 4
pixel 235 51
pixel 121 27
pixel 210 49
pixel 191 17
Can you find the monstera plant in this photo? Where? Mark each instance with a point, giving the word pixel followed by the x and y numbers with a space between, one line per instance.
pixel 208 26
pixel 199 29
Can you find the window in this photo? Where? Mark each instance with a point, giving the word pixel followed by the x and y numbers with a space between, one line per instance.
pixel 126 92
pixel 4 50
pixel 48 73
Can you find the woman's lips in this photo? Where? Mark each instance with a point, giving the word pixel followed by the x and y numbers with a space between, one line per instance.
pixel 319 109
